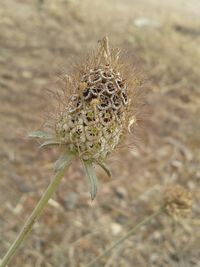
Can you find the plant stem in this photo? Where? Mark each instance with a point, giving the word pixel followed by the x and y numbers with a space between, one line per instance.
pixel 33 217
pixel 122 239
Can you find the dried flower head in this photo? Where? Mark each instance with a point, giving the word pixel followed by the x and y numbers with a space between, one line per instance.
pixel 97 111
pixel 177 201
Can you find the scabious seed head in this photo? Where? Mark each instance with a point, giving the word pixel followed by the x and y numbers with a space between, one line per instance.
pixel 177 201
pixel 97 114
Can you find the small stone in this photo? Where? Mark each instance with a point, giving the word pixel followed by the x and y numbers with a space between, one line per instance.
pixel 121 192
pixel 26 74
pixel 177 164
pixel 70 201
pixel 116 228
pixel 154 257
pixel 156 237
pixel 24 188
pixel 146 22
pixel 198 174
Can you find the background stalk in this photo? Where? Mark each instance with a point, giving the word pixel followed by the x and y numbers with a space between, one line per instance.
pixel 121 240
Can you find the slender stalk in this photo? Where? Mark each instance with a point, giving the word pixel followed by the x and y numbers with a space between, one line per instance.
pixel 122 239
pixel 33 217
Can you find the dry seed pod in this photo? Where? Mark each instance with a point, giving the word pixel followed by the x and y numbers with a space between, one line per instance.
pixel 99 111
pixel 100 105
pixel 177 201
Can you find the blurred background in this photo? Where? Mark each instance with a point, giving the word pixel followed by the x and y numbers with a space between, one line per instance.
pixel 39 41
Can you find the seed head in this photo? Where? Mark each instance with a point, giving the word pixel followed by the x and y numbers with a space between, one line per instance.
pixel 177 201
pixel 96 116
pixel 99 108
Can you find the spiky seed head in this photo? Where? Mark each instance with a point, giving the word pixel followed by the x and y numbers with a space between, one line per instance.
pixel 99 106
pixel 177 201
pixel 97 113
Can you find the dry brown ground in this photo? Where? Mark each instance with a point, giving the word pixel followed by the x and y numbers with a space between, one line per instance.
pixel 38 41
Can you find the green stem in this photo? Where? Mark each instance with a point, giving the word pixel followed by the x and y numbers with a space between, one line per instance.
pixel 33 217
pixel 130 233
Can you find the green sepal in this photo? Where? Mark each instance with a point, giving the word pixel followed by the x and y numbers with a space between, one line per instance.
pixel 50 143
pixel 40 134
pixel 105 168
pixel 64 161
pixel 91 174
